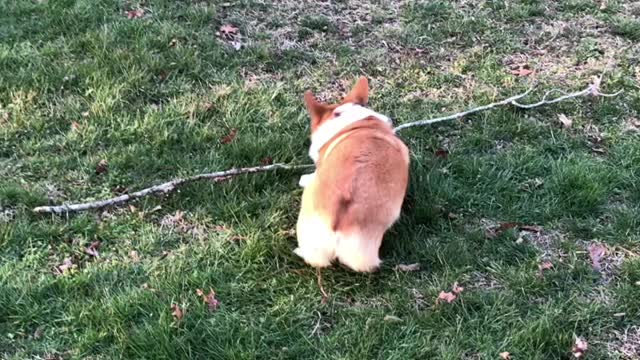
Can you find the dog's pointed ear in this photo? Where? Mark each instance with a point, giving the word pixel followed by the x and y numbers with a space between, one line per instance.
pixel 316 109
pixel 360 92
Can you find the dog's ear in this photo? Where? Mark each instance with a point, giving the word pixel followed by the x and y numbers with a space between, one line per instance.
pixel 316 109
pixel 360 92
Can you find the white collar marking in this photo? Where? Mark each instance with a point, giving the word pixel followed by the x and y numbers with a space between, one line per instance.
pixel 349 114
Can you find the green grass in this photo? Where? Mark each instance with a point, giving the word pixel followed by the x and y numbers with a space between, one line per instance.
pixel 154 96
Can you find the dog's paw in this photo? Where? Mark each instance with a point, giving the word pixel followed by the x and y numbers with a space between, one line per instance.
pixel 305 180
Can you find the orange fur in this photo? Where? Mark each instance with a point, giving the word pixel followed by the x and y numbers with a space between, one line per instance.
pixel 357 190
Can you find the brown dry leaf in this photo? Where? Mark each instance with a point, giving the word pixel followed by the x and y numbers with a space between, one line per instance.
pixel 67 264
pixel 135 257
pixel 102 167
pixel 75 126
pixel 268 160
pixel 531 228
pixel 566 122
pixel 92 249
pixel 135 14
pixel 596 252
pixel 410 267
pixel 522 70
pixel 173 43
pixel 199 292
pixel 494 232
pixel 505 355
pixel 579 348
pixel 442 153
pixel 446 296
pixel 228 31
pixel 211 301
pixel 228 139
pixel 545 265
pixel 177 313
pixel 456 289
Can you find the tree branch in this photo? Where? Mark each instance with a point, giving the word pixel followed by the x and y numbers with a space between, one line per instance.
pixel 592 90
pixel 163 188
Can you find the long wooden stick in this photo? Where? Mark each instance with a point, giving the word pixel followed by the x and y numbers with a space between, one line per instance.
pixel 163 188
pixel 592 90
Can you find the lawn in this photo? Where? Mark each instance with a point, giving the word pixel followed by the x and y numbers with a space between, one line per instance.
pixel 156 89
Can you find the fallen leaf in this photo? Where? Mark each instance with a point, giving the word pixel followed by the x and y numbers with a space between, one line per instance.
pixel 621 314
pixel 391 318
pixel 596 252
pixel 85 114
pixel 410 267
pixel 133 209
pixel 119 190
pixel 211 301
pixel 228 30
pixel 494 232
pixel 532 184
pixel 173 43
pixel 228 139
pixel 206 106
pixel 67 264
pixel 598 150
pixel 441 153
pixel 134 256
pixel 566 122
pixel 220 228
pixel 545 265
pixel 632 125
pixel 531 228
pixel 268 160
pixel 604 4
pixel 93 249
pixel 199 292
pixel 75 126
pixel 446 296
pixel 538 52
pixel 522 70
pixel 456 289
pixel 579 348
pixel 102 167
pixel 177 313
pixel 452 216
pixel 505 355
pixel 135 14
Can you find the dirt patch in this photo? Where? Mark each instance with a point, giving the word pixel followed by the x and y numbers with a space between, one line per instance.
pixel 626 343
pixel 178 222
pixel 7 215
pixel 482 281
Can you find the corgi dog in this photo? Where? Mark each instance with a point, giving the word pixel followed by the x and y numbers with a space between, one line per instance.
pixel 357 189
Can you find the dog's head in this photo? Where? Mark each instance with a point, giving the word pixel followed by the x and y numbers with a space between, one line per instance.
pixel 352 104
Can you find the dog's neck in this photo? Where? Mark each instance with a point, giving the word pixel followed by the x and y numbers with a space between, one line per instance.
pixel 349 114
